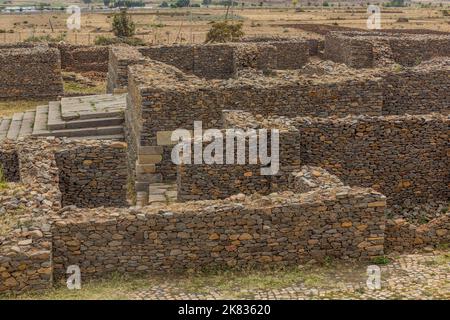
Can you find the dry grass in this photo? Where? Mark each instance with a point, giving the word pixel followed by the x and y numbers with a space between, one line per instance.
pixel 74 88
pixel 9 107
pixel 177 25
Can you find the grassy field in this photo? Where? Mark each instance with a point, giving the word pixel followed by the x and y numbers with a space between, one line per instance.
pixel 168 25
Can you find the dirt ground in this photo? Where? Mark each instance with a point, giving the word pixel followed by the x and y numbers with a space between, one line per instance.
pixel 190 25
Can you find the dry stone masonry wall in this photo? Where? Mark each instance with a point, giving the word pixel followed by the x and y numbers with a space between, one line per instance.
pixel 359 49
pixel 404 157
pixel 93 175
pixel 284 229
pixel 80 58
pixel 30 73
pixel 9 163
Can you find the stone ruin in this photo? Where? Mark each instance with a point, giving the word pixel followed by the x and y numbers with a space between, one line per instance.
pixel 362 151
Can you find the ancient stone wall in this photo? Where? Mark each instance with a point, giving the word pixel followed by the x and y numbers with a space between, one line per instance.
pixel 171 100
pixel 93 175
pixel 9 163
pixel 419 90
pixel 315 45
pixel 25 262
pixel 30 73
pixel 213 61
pixel 375 49
pixel 276 230
pixel 355 53
pixel 404 157
pixel 218 181
pixel 120 57
pixel 25 251
pixel 403 236
pixel 80 58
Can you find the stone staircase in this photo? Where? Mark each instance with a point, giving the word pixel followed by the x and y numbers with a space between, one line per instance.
pixel 87 117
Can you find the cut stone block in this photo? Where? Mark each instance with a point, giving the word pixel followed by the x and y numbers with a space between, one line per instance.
pixel 141 198
pixel 117 137
pixel 14 127
pixel 4 127
pixel 93 107
pixel 40 120
pixel 145 168
pixel 156 198
pixel 141 186
pixel 26 128
pixel 55 121
pixel 163 138
pixel 149 158
pixel 150 150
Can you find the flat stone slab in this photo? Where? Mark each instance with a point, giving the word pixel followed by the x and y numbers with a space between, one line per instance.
pixel 27 123
pixel 93 107
pixel 15 125
pixel 4 127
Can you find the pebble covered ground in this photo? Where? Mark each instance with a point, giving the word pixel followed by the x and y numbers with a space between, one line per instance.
pixel 423 275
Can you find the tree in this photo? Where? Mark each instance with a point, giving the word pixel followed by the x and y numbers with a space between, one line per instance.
pixel 182 3
pixel 106 3
pixel 123 26
pixel 224 32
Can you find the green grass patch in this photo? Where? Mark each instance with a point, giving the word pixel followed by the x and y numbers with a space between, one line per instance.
pixel 71 87
pixel 381 260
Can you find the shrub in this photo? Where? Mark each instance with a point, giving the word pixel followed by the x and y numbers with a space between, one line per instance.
pixel 381 260
pixel 46 38
pixel 224 32
pixel 3 183
pixel 105 41
pixel 123 26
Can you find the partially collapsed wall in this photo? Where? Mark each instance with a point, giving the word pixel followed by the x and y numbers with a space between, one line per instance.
pixel 360 49
pixel 403 157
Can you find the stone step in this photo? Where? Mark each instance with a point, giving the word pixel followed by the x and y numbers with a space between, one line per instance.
pixel 55 121
pixel 14 128
pixel 141 198
pixel 27 123
pixel 40 120
pixel 93 107
pixel 84 132
pixel 117 137
pixel 162 192
pixel 4 127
